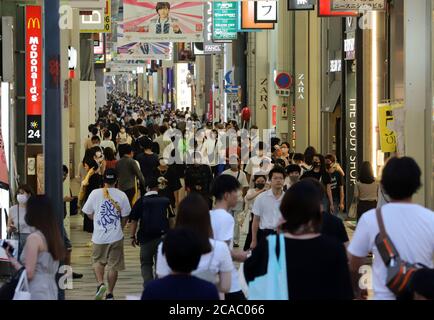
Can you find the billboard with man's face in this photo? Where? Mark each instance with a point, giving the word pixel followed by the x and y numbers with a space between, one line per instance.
pixel 156 21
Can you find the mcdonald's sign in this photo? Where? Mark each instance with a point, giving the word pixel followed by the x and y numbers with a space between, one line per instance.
pixel 34 23
pixel 34 69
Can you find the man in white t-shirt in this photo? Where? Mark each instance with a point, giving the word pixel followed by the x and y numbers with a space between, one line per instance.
pixel 409 226
pixel 266 209
pixel 225 190
pixel 108 207
pixel 254 164
pixel 237 173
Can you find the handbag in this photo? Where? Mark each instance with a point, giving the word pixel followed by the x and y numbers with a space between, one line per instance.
pixel 208 274
pixel 352 212
pixel 22 290
pixel 7 291
pixel 399 272
pixel 274 284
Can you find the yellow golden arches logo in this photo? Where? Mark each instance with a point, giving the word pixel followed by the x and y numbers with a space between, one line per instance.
pixel 35 22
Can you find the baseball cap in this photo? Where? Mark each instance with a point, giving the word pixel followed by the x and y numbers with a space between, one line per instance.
pixel 110 176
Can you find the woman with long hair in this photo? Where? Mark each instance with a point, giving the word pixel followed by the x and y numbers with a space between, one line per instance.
pixel 43 250
pixel 110 159
pixel 319 172
pixel 316 265
pixel 366 190
pixel 216 263
pixel 309 153
pixel 17 226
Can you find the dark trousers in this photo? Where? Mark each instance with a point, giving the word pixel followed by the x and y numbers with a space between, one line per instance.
pixel 235 296
pixel 263 234
pixel 148 259
pixel 249 234
pixel 130 194
pixel 364 206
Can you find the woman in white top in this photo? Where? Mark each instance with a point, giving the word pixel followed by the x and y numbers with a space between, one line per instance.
pixel 17 226
pixel 216 263
pixel 260 182
pixel 366 190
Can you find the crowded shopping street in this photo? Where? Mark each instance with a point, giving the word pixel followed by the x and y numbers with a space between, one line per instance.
pixel 224 151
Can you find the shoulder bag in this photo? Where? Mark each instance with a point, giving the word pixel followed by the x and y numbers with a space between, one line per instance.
pixel 274 284
pixel 208 274
pixel 7 291
pixel 399 272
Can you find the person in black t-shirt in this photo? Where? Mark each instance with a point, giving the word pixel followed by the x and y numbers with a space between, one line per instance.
pixel 154 213
pixel 316 264
pixel 198 178
pixel 319 172
pixel 183 250
pixel 148 160
pixel 332 226
pixel 168 181
pixel 337 185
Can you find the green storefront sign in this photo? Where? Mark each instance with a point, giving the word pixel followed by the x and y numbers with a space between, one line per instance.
pixel 225 20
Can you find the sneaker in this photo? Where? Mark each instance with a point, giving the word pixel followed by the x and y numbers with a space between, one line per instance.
pixel 100 291
pixel 109 296
pixel 77 275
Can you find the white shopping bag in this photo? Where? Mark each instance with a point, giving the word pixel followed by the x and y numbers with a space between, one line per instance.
pixel 22 291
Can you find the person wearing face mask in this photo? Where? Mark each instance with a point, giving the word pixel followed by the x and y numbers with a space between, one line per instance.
pixel 259 188
pixel 17 226
pixel 237 173
pixel 294 173
pixel 319 172
pixel 123 137
pixel 168 180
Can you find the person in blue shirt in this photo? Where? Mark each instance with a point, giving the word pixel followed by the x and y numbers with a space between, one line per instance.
pixel 183 249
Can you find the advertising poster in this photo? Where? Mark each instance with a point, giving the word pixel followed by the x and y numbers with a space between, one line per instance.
pixel 145 51
pixel 153 21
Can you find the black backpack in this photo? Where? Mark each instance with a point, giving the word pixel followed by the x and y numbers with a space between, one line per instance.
pixel 155 216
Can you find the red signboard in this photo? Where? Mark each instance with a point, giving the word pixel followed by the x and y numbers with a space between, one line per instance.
pixel 325 10
pixel 34 60
pixel 274 115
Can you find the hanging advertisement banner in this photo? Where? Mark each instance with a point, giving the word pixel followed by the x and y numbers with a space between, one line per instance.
pixel 145 51
pixel 183 91
pixel 225 20
pixel 265 11
pixel 248 18
pixel 325 10
pixel 97 20
pixel 349 5
pixel 387 135
pixel 34 58
pixel 153 21
pixel 301 5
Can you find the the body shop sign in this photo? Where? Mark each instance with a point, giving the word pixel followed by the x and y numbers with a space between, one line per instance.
pixel 34 57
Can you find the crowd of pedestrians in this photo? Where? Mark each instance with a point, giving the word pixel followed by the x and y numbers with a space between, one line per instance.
pixel 187 187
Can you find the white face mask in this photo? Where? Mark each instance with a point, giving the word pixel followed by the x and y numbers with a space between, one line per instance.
pixel 22 198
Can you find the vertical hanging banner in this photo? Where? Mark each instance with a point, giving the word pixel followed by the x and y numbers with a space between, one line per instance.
pixel 33 29
pixel 225 20
pixel 387 135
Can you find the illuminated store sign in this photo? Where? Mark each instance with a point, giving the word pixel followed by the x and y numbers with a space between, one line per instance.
pixel 34 57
